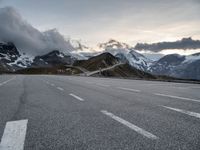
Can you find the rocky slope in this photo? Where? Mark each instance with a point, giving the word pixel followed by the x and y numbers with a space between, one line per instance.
pixel 103 60
pixel 126 53
pixel 54 58
pixel 8 55
pixel 187 67
pixel 12 60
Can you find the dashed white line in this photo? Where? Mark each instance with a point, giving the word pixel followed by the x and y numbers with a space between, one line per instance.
pixel 59 88
pixel 130 125
pixel 193 114
pixel 14 135
pixel 104 85
pixel 77 97
pixel 128 89
pixel 52 84
pixel 5 82
pixel 177 97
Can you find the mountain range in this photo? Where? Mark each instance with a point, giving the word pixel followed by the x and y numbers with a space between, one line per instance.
pixel 131 63
pixel 25 49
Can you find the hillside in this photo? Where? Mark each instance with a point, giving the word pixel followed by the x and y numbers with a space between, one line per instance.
pixel 126 71
pixel 103 60
pixel 65 70
pixel 53 58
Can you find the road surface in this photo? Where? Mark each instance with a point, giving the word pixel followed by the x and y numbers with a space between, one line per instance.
pixel 44 112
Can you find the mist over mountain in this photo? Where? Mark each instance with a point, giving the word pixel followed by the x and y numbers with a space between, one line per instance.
pixel 184 43
pixel 15 29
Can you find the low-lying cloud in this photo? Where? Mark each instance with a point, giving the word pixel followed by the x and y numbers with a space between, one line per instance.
pixel 13 28
pixel 183 44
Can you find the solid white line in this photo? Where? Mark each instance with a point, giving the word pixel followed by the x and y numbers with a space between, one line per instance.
pixel 128 89
pixel 77 97
pixel 5 82
pixel 59 88
pixel 130 125
pixel 14 135
pixel 193 114
pixel 177 97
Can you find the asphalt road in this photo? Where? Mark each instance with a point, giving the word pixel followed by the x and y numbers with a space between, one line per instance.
pixel 86 113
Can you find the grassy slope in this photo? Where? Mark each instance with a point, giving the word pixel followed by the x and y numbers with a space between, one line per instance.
pixel 51 70
pixel 127 71
pixel 101 61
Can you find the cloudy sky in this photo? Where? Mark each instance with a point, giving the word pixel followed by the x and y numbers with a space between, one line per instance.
pixel 131 21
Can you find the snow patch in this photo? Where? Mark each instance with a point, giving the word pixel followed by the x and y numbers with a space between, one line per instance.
pixel 23 61
pixel 192 58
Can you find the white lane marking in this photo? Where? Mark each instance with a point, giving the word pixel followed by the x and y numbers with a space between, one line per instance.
pixel 59 88
pixel 52 84
pixel 104 85
pixel 5 82
pixel 130 125
pixel 193 114
pixel 77 97
pixel 14 135
pixel 128 89
pixel 177 97
pixel 46 82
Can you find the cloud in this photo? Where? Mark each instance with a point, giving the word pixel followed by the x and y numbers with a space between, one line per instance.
pixel 13 28
pixel 184 44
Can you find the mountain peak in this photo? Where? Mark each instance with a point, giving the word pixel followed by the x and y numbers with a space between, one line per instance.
pixel 54 53
pixel 187 39
pixel 103 60
pixel 113 44
pixel 80 47
pixel 9 50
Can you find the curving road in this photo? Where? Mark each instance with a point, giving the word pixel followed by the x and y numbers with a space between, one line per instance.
pixel 103 69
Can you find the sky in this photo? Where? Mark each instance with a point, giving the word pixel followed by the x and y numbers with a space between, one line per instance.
pixel 130 21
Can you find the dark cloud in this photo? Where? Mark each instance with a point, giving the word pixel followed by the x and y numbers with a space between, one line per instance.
pixel 13 28
pixel 185 43
pixel 95 21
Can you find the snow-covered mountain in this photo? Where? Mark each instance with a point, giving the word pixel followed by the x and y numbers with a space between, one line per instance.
pixel 8 56
pixel 166 64
pixel 126 53
pixel 11 59
pixel 81 51
pixel 53 58
pixel 175 65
